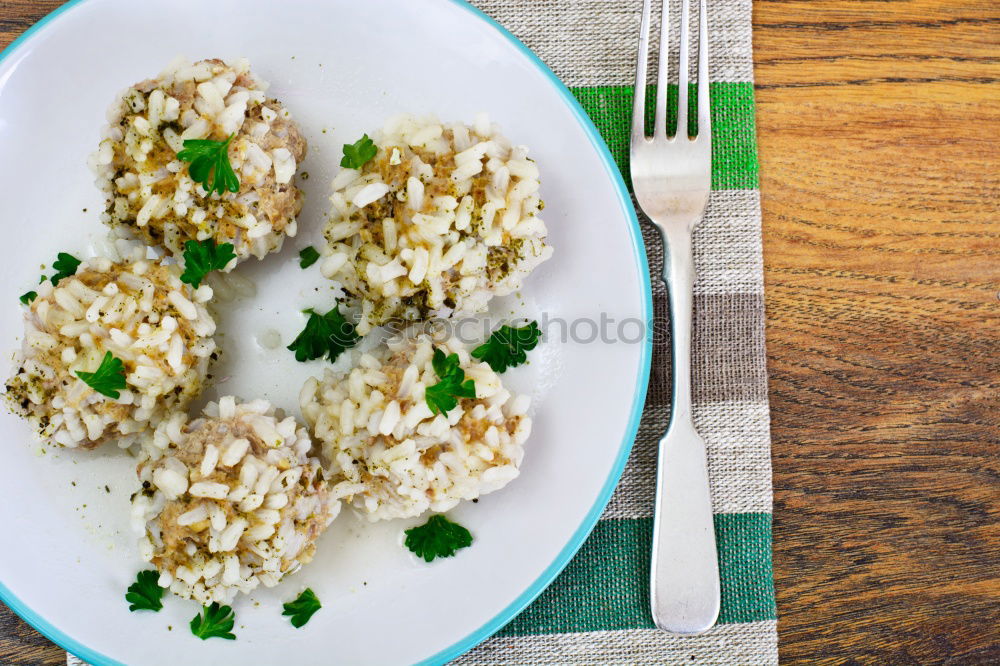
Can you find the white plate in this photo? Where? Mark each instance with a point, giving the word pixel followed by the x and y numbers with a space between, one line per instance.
pixel 341 67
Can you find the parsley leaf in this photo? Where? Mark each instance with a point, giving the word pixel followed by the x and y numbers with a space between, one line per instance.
pixel 145 593
pixel 308 256
pixel 28 296
pixel 203 257
pixel 214 621
pixel 508 346
pixel 438 537
pixel 324 335
pixel 65 265
pixel 358 153
pixel 302 608
pixel 443 396
pixel 108 378
pixel 210 164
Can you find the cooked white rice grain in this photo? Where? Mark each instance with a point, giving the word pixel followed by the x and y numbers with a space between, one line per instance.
pixel 235 500
pixel 129 309
pixel 442 219
pixel 389 455
pixel 150 191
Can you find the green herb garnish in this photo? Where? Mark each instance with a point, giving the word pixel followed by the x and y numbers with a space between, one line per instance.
pixel 203 257
pixel 210 164
pixel 438 537
pixel 65 265
pixel 308 256
pixel 302 608
pixel 443 396
pixel 145 593
pixel 109 377
pixel 324 335
pixel 508 346
pixel 358 153
pixel 28 296
pixel 214 621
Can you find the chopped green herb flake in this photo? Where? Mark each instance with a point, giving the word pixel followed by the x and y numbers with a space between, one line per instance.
pixel 357 154
pixel 302 608
pixel 443 396
pixel 203 257
pixel 108 379
pixel 214 621
pixel 438 537
pixel 28 296
pixel 210 164
pixel 65 265
pixel 145 593
pixel 508 346
pixel 324 335
pixel 308 256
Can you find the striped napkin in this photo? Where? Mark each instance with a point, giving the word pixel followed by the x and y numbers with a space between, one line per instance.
pixel 596 612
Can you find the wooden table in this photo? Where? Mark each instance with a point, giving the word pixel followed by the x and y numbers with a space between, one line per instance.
pixel 879 128
pixel 880 177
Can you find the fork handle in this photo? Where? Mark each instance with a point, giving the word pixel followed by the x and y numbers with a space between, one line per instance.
pixel 684 577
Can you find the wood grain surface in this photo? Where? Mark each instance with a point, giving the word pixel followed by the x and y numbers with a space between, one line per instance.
pixel 878 123
pixel 879 131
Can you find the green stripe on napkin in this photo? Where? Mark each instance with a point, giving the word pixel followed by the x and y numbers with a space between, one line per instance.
pixel 606 586
pixel 734 141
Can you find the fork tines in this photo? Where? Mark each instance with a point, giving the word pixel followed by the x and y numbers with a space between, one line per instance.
pixel 639 102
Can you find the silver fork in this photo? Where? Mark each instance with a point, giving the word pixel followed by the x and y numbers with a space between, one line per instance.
pixel 671 178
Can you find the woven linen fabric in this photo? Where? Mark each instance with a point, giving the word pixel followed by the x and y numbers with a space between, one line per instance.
pixel 597 610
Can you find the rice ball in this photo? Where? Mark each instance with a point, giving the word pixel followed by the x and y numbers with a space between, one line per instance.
pixel 443 218
pixel 138 312
pixel 150 191
pixel 389 455
pixel 236 500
